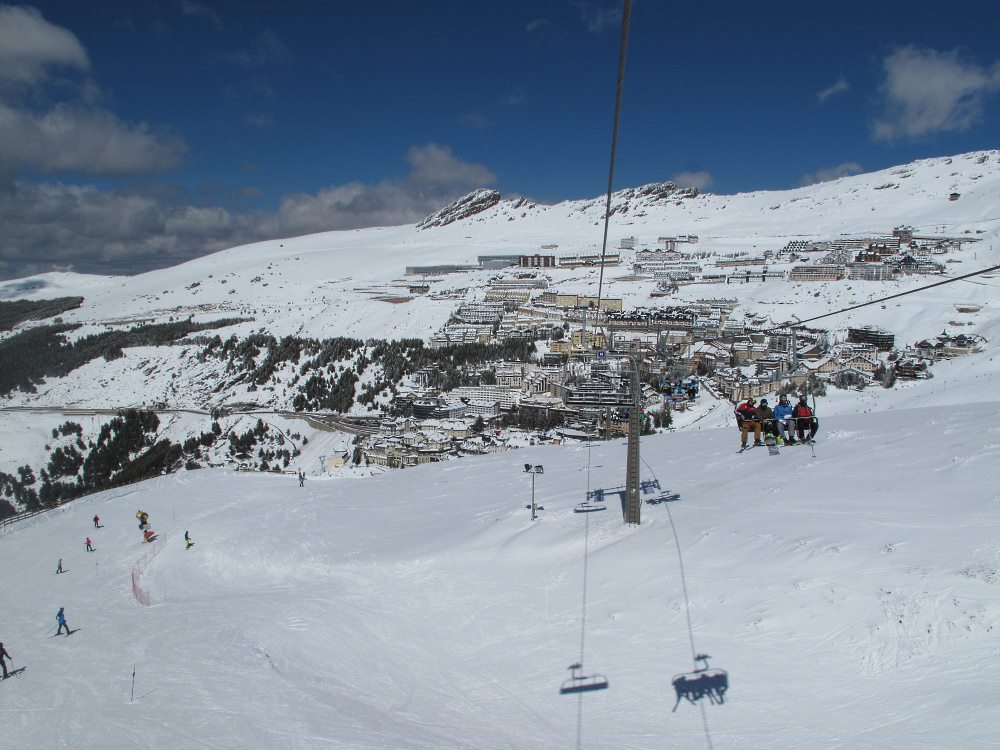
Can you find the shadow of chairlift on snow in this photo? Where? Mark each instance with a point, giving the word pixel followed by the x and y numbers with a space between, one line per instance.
pixel 664 497
pixel 582 683
pixel 701 683
pixel 594 497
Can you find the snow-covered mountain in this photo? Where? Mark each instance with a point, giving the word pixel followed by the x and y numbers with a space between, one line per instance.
pixel 849 590
pixel 344 283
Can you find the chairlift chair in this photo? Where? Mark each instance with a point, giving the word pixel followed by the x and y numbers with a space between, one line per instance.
pixel 581 683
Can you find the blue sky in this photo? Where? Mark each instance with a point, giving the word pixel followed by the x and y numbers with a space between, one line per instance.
pixel 137 135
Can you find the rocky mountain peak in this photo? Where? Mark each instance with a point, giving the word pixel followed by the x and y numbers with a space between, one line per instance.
pixel 466 206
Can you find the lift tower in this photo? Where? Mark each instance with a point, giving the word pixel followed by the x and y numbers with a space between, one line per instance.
pixel 633 502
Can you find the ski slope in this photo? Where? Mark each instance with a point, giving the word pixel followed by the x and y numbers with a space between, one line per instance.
pixel 853 597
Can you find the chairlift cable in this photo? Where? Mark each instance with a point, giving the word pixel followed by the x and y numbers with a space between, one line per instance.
pixel 801 323
pixel 683 575
pixel 687 604
pixel 622 51
pixel 623 48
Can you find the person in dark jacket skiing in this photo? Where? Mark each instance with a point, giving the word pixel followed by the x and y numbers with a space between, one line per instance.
pixel 804 419
pixel 3 664
pixel 59 567
pixel 746 419
pixel 187 541
pixel 61 619
pixel 97 521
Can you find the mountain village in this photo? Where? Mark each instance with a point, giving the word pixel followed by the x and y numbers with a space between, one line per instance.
pixel 711 343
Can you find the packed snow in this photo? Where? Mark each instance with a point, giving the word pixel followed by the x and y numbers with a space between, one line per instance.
pixel 851 598
pixel 849 589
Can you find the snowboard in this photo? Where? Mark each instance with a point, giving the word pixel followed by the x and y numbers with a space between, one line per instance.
pixel 772 445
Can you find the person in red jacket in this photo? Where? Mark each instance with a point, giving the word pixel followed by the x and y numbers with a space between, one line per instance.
pixel 804 419
pixel 90 547
pixel 746 419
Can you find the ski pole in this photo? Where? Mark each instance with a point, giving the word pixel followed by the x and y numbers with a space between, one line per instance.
pixel 132 696
pixel 812 440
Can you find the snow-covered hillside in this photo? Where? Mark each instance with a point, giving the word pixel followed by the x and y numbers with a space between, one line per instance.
pixel 351 283
pixel 852 598
pixel 851 595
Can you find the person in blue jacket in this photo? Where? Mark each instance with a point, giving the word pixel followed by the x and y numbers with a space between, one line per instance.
pixel 785 420
pixel 61 619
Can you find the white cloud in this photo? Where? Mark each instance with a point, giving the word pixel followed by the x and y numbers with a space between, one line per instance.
pixel 267 49
pixel 29 45
pixel 700 180
pixel 928 92
pixel 79 139
pixel 435 165
pixel 197 10
pixel 514 99
pixel 475 120
pixel 261 121
pixel 837 88
pixel 536 24
pixel 844 169
pixel 99 231
pixel 599 17
pixel 74 134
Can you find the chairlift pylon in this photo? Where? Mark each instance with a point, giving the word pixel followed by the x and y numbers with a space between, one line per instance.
pixel 581 683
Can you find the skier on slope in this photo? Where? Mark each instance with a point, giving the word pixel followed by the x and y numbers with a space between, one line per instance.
pixel 804 419
pixel 3 664
pixel 302 478
pixel 187 541
pixel 786 422
pixel 97 521
pixel 89 546
pixel 61 619
pixel 59 566
pixel 746 420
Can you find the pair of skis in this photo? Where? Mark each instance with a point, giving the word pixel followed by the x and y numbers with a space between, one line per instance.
pixel 772 445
